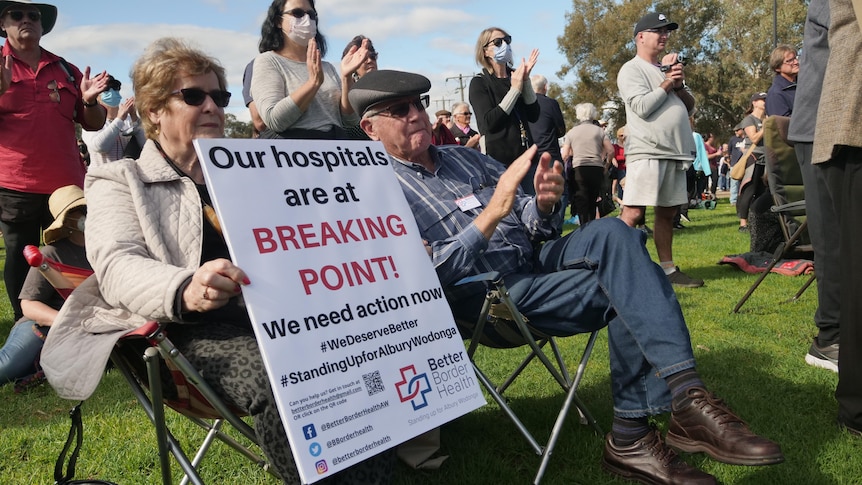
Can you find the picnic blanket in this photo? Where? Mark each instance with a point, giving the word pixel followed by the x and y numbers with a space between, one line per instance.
pixel 758 261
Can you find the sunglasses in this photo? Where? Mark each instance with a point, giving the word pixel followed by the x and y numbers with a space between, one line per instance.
pixel 298 13
pixel 499 41
pixel 467 113
pixel 402 109
pixel 55 92
pixel 18 15
pixel 197 96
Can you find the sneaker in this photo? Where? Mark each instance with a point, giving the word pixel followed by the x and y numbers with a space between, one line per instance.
pixel 823 357
pixel 704 423
pixel 678 278
pixel 684 217
pixel 743 228
pixel 649 460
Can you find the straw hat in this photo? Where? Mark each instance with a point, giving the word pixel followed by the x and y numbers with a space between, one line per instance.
pixel 60 203
pixel 49 13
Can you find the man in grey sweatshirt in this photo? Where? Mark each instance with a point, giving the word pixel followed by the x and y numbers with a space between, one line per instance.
pixel 659 141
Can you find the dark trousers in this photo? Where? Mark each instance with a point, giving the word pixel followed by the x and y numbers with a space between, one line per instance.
pixel 585 186
pixel 24 217
pixel 823 231
pixel 844 179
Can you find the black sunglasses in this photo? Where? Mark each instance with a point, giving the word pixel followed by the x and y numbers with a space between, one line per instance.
pixel 18 15
pixel 298 13
pixel 402 109
pixel 499 41
pixel 466 113
pixel 197 96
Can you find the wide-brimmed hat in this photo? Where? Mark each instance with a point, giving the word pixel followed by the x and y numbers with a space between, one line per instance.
pixel 49 13
pixel 60 203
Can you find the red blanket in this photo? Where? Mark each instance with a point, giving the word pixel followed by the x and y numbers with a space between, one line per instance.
pixel 757 262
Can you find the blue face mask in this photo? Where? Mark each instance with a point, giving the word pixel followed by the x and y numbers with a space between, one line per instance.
pixel 111 98
pixel 503 54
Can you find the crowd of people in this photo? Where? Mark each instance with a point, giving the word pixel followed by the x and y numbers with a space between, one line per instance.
pixel 143 170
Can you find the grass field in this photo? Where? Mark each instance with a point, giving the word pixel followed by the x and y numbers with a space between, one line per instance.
pixel 753 359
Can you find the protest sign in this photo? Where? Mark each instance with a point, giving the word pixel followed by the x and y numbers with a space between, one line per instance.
pixel 358 339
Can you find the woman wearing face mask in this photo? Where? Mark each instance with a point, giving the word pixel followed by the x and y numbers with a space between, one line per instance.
pixel 122 128
pixel 503 98
pixel 297 94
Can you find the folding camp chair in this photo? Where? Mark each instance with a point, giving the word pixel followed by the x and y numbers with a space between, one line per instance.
pixel 501 325
pixel 784 178
pixel 147 359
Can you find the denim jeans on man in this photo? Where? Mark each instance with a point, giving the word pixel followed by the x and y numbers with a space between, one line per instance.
pixel 602 275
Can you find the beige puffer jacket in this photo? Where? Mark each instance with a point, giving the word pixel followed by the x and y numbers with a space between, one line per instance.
pixel 144 236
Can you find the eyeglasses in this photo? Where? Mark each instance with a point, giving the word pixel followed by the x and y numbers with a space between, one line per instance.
pixel 197 96
pixel 402 109
pixel 499 41
pixel 660 32
pixel 298 13
pixel 55 93
pixel 464 114
pixel 795 60
pixel 18 15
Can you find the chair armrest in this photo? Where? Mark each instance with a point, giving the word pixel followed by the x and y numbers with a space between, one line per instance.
pixel 145 330
pixel 489 277
pixel 793 206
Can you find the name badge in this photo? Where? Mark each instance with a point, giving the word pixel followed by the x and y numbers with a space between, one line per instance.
pixel 468 202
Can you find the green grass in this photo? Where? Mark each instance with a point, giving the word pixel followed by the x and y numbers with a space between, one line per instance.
pixel 753 359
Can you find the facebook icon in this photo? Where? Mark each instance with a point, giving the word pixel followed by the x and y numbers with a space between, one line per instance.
pixel 309 432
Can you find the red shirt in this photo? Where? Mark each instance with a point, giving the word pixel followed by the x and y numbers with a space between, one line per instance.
pixel 38 149
pixel 620 156
pixel 713 162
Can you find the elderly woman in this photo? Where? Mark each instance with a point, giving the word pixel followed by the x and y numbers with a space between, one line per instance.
pixel 297 94
pixel 590 150
pixel 158 254
pixel 503 98
pixel 464 134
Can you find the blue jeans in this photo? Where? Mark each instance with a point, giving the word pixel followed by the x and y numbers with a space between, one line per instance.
pixel 734 190
pixel 601 275
pixel 20 352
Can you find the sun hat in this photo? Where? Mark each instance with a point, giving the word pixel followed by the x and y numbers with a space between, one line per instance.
pixel 60 203
pixel 49 13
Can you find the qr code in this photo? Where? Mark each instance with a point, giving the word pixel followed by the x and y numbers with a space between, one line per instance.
pixel 373 382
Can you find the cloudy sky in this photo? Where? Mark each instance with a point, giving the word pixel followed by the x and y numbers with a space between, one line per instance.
pixel 435 38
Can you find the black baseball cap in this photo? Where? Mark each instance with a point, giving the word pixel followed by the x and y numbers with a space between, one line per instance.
pixel 654 20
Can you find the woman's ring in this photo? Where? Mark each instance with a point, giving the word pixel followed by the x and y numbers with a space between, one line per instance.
pixel 206 295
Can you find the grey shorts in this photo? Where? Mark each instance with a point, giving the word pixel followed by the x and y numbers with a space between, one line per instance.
pixel 655 183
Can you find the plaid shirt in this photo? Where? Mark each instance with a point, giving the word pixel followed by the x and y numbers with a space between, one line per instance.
pixel 459 248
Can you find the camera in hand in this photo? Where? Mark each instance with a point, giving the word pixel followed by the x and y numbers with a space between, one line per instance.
pixel 680 59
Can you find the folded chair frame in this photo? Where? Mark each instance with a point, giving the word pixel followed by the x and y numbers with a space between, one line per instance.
pixel 499 309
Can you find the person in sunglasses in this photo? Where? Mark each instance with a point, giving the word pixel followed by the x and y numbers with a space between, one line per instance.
pixel 158 254
pixel 464 134
pixel 474 218
pixel 297 94
pixel 122 136
pixel 41 95
pixel 503 98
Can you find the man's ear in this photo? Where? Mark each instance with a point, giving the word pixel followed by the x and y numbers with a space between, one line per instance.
pixel 368 127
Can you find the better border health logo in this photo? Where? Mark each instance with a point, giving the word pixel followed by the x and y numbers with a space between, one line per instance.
pixel 413 387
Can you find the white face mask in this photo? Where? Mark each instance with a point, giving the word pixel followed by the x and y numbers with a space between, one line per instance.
pixel 302 30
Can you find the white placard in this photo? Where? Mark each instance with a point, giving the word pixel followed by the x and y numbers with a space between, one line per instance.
pixel 358 339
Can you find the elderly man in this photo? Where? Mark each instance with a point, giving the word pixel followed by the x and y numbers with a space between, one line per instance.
pixel 660 146
pixel 475 219
pixel 41 95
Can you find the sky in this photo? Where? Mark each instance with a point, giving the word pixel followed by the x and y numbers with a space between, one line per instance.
pixel 436 39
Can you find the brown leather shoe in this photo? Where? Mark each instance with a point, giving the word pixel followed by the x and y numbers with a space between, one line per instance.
pixel 651 461
pixel 706 424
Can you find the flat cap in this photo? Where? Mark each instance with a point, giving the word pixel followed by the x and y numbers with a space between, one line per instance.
pixel 382 85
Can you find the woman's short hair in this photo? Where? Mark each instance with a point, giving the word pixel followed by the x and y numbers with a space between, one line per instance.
pixel 157 70
pixel 586 112
pixel 776 59
pixel 271 35
pixel 481 42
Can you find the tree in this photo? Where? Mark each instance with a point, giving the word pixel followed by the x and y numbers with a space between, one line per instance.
pixel 233 128
pixel 727 44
